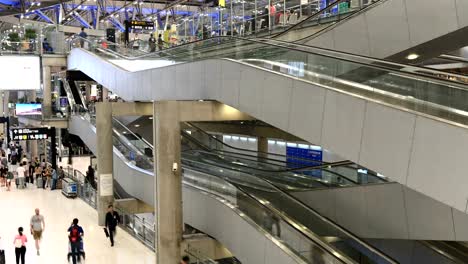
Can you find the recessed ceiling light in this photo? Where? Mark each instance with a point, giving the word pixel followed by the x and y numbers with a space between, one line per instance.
pixel 137 125
pixel 150 118
pixel 125 132
pixel 412 56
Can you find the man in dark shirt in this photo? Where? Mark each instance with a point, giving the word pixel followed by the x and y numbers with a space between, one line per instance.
pixel 75 234
pixel 112 220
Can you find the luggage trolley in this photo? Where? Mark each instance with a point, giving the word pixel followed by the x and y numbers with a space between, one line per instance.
pixel 69 188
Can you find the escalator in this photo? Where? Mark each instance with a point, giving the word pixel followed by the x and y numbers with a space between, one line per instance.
pixel 264 56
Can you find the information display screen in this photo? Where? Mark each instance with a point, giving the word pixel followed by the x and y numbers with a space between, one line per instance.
pixel 146 25
pixel 29 133
pixel 28 109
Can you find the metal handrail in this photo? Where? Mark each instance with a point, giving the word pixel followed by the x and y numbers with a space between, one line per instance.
pixel 391 67
pixel 315 15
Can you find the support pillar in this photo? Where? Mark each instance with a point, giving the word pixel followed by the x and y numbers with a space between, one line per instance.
pixel 104 159
pixel 105 94
pixel 262 147
pixel 47 91
pixel 166 127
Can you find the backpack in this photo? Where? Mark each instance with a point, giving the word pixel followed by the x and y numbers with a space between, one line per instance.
pixel 18 243
pixel 75 234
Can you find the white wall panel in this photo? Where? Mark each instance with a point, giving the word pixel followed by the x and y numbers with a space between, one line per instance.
pixel 230 79
pixel 430 19
pixel 183 86
pixel 251 91
pixel 276 100
pixel 305 118
pixel 438 162
pixel 197 79
pixel 213 78
pixel 354 29
pixel 387 131
pixel 386 24
pixel 462 13
pixel 342 124
pixel 460 221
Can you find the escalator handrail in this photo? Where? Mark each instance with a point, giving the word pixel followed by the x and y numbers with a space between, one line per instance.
pixel 254 152
pixel 325 219
pixel 361 242
pixel 392 67
pixel 309 235
pixel 360 11
pixel 314 15
pixel 133 134
pixel 324 165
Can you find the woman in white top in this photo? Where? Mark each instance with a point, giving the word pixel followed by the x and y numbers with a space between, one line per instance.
pixel 20 172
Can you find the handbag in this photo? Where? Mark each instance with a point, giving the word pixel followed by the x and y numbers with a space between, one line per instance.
pixel 106 232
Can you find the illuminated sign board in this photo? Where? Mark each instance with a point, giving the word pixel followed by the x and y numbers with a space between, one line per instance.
pixel 30 133
pixel 143 25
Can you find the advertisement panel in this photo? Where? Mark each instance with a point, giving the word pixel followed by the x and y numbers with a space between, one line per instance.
pixel 28 109
pixel 20 73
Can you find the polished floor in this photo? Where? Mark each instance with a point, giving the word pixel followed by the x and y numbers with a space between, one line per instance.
pixel 17 208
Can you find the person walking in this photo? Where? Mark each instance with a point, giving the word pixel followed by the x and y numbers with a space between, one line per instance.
pixel 20 246
pixel 20 174
pixel 10 177
pixel 37 228
pixel 185 260
pixel 75 235
pixel 112 220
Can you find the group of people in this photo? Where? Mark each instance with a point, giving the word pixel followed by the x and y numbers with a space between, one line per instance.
pixel 25 171
pixel 75 235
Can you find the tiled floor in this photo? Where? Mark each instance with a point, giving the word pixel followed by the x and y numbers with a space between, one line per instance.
pixel 18 206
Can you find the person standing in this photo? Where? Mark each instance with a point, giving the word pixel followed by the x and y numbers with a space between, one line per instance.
pixel 20 246
pixel 90 177
pixel 160 42
pixel 83 37
pixel 112 220
pixel 152 43
pixel 54 179
pixel 75 235
pixel 37 228
pixel 31 172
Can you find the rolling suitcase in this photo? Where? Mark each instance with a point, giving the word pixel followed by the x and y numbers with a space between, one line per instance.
pixel 39 182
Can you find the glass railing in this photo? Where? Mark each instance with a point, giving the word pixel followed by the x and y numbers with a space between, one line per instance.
pixel 377 80
pixel 138 227
pixel 328 16
pixel 274 212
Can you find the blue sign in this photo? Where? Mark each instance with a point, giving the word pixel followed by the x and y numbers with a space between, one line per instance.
pixel 304 157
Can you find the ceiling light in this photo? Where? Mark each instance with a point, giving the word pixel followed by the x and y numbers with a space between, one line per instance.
pixel 125 132
pixel 412 56
pixel 150 118
pixel 137 125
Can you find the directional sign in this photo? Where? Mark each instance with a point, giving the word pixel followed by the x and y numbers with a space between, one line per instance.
pixel 30 133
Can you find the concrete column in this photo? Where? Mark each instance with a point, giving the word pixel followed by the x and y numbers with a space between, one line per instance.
pixel 104 159
pixel 166 132
pixel 105 94
pixel 33 148
pixel 47 91
pixel 262 147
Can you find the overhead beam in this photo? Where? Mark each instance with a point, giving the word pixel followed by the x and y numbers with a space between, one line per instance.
pixel 44 16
